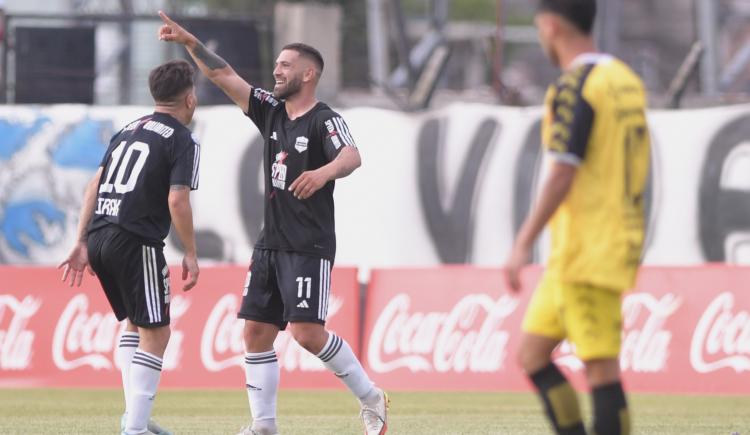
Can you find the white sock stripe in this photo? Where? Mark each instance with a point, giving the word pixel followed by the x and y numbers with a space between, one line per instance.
pixel 157 288
pixel 255 354
pixel 130 334
pixel 129 341
pixel 329 341
pixel 153 358
pixel 268 360
pixel 146 364
pixel 147 284
pixel 333 349
pixel 264 357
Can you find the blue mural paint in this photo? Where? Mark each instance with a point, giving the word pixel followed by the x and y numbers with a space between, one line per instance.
pixel 20 223
pixel 83 146
pixel 14 136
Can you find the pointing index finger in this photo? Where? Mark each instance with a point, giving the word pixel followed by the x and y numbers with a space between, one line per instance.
pixel 165 18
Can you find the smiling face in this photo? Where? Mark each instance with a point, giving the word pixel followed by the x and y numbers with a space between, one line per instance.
pixel 292 71
pixel 287 74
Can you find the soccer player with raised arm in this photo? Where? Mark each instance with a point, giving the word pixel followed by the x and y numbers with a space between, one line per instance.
pixel 307 147
pixel 141 188
pixel 595 134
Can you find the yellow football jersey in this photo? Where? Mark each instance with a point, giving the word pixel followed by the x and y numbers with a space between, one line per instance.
pixel 595 118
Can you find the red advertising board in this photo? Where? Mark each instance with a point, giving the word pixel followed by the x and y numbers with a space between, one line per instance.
pixel 54 335
pixel 684 330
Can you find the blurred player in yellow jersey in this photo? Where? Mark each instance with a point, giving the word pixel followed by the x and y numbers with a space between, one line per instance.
pixel 595 132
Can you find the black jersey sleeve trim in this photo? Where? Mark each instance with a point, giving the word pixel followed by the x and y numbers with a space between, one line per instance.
pixel 573 116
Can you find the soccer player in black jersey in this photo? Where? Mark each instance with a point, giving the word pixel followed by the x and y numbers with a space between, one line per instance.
pixel 142 187
pixel 307 147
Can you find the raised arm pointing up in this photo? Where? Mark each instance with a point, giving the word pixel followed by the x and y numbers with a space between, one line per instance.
pixel 213 66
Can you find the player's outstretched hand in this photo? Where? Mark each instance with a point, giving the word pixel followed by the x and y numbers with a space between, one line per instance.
pixel 190 272
pixel 519 257
pixel 75 264
pixel 308 183
pixel 173 32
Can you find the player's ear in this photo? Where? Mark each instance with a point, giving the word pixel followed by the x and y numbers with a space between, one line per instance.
pixel 191 101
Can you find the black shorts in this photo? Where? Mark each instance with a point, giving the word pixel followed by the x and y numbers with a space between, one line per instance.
pixel 284 287
pixel 134 276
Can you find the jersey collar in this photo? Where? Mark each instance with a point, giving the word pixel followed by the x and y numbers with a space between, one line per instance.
pixel 589 58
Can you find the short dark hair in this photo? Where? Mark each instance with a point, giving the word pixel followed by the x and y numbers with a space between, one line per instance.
pixel 580 13
pixel 307 51
pixel 170 80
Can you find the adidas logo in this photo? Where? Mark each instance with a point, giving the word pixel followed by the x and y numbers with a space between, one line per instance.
pixel 273 136
pixel 303 304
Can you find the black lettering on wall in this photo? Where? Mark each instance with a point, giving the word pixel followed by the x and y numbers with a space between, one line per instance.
pixel 722 211
pixel 452 229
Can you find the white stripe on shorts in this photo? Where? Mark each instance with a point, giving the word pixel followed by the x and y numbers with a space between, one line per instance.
pixel 155 288
pixel 147 285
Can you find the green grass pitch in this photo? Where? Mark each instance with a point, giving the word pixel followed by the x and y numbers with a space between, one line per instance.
pixel 57 411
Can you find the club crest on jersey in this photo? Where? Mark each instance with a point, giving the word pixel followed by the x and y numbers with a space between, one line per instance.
pixel 278 171
pixel 301 144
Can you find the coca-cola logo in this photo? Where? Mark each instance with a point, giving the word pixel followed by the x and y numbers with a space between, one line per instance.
pixel 16 342
pixel 721 338
pixel 645 341
pixel 468 337
pixel 84 338
pixel 222 343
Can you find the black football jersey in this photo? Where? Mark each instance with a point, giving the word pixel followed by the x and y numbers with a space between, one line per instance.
pixel 304 226
pixel 141 163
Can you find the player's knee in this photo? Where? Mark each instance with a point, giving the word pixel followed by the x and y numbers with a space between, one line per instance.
pixel 531 360
pixel 154 340
pixel 311 337
pixel 259 337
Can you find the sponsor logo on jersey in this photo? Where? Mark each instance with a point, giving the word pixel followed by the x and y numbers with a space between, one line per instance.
pixel 278 171
pixel 301 144
pixel 339 133
pixel 265 96
pixel 108 206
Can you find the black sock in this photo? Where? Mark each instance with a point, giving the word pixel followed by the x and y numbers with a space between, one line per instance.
pixel 560 401
pixel 611 415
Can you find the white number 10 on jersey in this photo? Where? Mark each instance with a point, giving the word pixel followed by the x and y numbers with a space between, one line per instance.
pixel 119 185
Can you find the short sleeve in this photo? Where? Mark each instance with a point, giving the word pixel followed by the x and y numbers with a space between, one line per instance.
pixel 572 119
pixel 186 161
pixel 112 145
pixel 260 105
pixel 335 134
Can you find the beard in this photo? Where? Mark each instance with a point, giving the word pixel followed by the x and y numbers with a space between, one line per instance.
pixel 292 86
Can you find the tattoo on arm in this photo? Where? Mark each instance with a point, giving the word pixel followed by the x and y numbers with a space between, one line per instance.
pixel 177 187
pixel 208 57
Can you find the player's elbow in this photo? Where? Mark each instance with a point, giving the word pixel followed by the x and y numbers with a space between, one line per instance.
pixel 179 199
pixel 356 159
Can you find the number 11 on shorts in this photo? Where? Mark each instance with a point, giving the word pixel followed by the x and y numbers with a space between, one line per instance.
pixel 308 282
